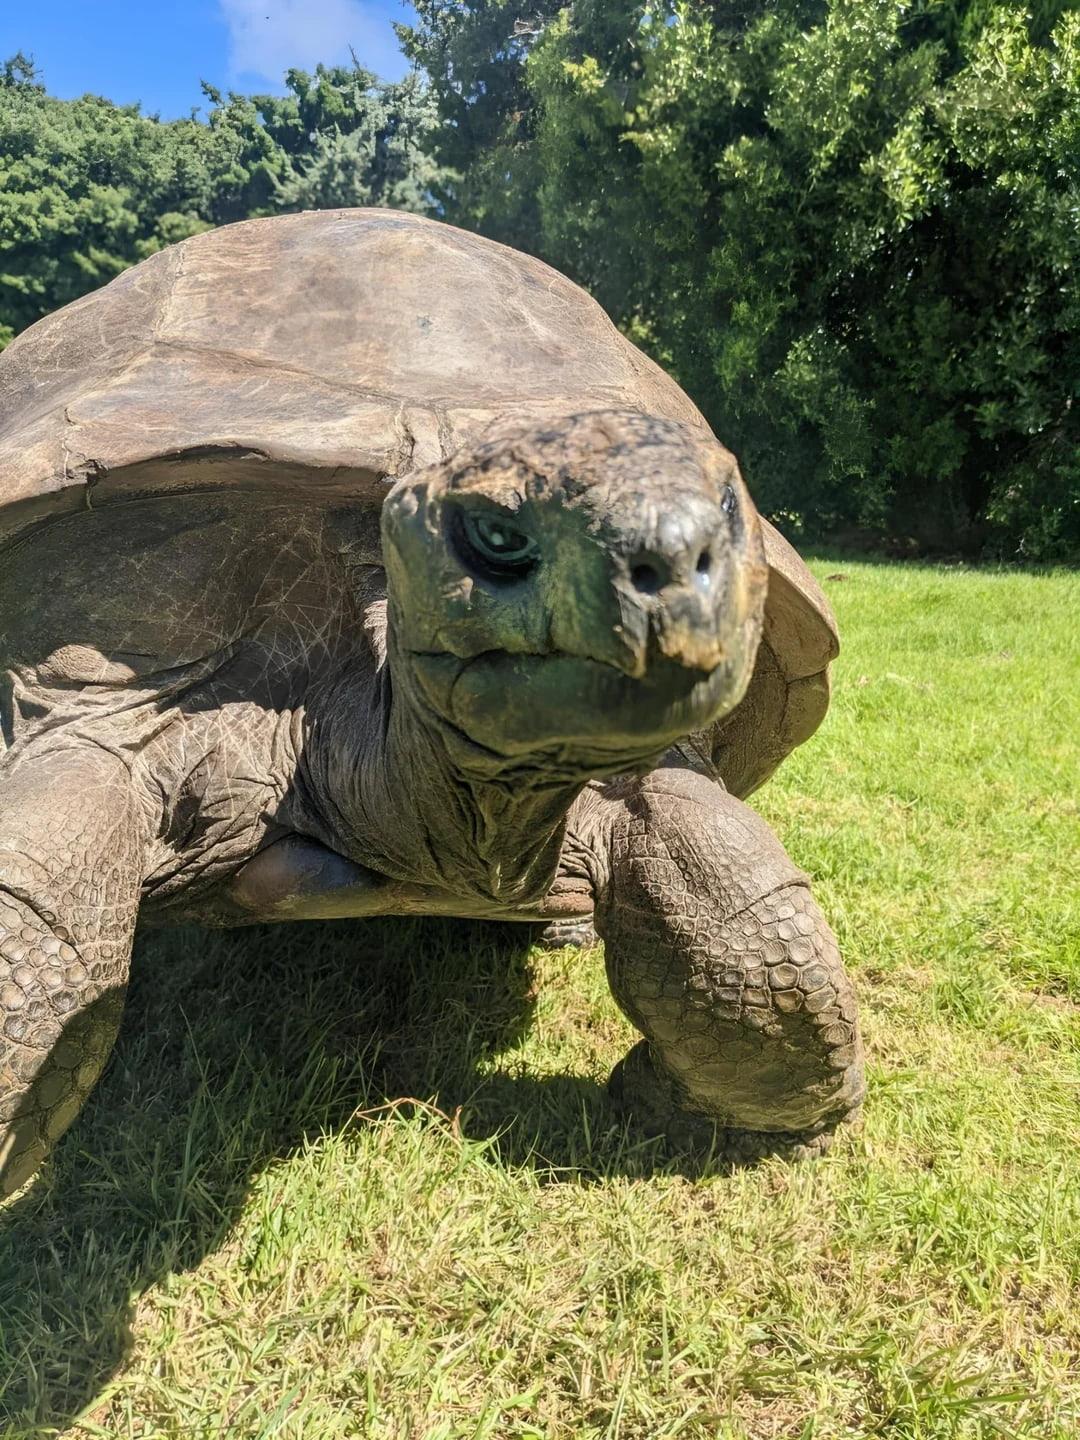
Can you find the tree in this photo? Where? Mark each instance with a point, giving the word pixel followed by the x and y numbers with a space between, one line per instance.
pixel 372 147
pixel 848 226
pixel 474 56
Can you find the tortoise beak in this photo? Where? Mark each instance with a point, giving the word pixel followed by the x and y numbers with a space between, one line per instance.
pixel 688 587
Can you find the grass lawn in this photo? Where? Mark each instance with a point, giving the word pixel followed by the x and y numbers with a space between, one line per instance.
pixel 253 1231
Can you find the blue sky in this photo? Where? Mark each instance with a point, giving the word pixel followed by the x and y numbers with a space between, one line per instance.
pixel 157 51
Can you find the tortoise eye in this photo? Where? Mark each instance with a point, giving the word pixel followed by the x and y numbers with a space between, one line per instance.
pixel 491 545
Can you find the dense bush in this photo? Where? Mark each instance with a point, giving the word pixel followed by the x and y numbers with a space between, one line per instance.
pixel 850 228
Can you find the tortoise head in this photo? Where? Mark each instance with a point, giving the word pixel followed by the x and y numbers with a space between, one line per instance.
pixel 587 591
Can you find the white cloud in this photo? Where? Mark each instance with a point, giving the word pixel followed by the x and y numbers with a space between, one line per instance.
pixel 268 37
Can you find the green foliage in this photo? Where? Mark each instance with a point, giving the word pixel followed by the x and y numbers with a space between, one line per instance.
pixel 849 227
pixel 374 153
pixel 88 188
pixel 474 55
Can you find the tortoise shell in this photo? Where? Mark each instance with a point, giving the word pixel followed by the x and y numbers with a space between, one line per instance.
pixel 329 353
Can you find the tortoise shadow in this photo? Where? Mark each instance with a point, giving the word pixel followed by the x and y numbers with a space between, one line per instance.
pixel 238 1047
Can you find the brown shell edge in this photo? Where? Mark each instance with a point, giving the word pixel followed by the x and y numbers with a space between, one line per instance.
pixel 788 693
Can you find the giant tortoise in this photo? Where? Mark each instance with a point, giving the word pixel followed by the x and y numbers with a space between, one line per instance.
pixel 354 565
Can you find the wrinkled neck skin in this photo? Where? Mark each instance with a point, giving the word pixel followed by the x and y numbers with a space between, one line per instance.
pixel 601 579
pixel 411 797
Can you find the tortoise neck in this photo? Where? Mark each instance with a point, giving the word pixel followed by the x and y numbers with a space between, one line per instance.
pixel 488 826
pixel 406 795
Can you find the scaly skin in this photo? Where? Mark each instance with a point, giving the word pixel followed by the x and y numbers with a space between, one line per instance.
pixel 69 888
pixel 718 955
pixel 321 740
pixel 240 679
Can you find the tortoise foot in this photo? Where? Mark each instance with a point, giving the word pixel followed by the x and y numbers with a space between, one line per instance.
pixel 650 1101
pixel 560 934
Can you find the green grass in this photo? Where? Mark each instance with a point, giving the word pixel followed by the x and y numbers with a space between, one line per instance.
pixel 254 1231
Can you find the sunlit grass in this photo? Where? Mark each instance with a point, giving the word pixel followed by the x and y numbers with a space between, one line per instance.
pixel 363 1181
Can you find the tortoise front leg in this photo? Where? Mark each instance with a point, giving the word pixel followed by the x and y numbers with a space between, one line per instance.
pixel 717 953
pixel 70 870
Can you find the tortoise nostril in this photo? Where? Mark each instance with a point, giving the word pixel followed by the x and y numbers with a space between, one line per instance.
pixel 703 578
pixel 646 578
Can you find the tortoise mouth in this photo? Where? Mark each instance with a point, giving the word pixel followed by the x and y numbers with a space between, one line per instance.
pixel 514 704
